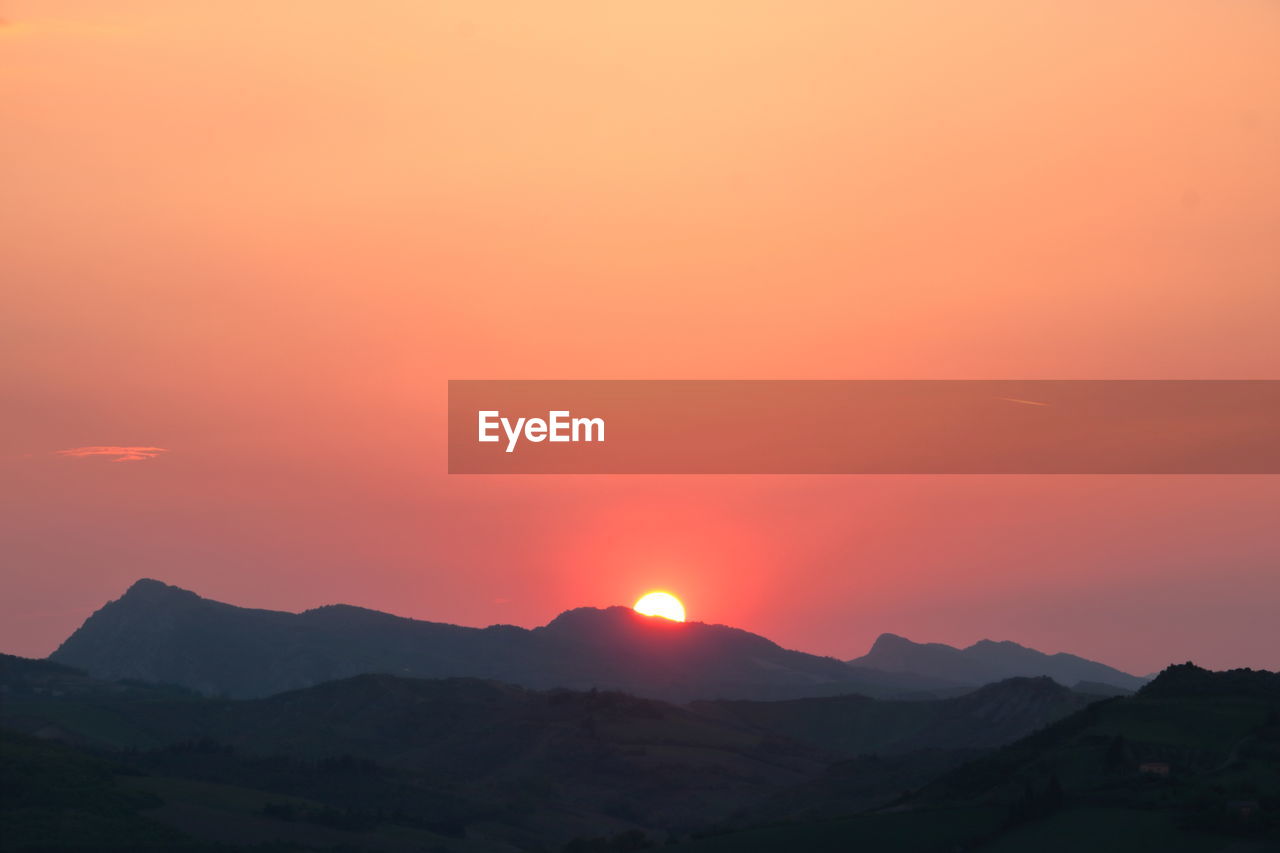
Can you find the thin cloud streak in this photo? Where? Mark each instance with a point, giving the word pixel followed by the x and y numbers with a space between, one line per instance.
pixel 121 454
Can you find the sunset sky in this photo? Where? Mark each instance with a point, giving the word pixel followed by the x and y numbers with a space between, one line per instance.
pixel 244 245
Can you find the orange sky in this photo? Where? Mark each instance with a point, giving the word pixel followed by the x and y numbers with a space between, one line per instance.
pixel 262 235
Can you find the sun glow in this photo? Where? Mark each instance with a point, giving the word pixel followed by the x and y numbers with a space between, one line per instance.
pixel 662 604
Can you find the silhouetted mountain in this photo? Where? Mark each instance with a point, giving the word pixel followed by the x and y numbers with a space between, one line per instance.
pixel 1095 688
pixel 893 746
pixel 56 797
pixel 1188 681
pixel 382 762
pixel 852 725
pixel 987 661
pixel 379 762
pixel 1189 762
pixel 898 746
pixel 164 634
pixel 18 671
pixel 374 757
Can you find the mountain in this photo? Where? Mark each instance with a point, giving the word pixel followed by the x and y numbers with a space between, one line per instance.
pixel 853 725
pixel 162 634
pixel 462 763
pixel 891 746
pixel 987 661
pixel 55 797
pixel 380 762
pixel 375 762
pixel 1190 762
pixel 74 707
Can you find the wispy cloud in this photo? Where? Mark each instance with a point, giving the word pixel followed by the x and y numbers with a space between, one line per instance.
pixel 121 454
pixel 1023 402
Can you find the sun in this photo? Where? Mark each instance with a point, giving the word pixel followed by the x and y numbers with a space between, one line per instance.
pixel 662 604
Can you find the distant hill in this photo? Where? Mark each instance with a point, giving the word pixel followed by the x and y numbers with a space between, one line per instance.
pixel 364 760
pixel 379 762
pixel 55 797
pixel 891 746
pixel 987 661
pixel 1191 762
pixel 32 672
pixel 852 725
pixel 141 715
pixel 160 633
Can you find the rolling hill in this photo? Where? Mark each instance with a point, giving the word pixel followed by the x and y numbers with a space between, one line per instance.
pixel 1190 763
pixel 380 762
pixel 451 764
pixel 470 764
pixel 853 725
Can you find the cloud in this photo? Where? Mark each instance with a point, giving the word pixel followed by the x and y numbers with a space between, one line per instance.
pixel 121 454
pixel 1023 402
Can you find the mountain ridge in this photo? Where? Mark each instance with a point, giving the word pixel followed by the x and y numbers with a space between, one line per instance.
pixel 160 633
pixel 454 754
pixel 988 661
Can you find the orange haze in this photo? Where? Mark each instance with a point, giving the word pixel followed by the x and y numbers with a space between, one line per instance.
pixel 257 237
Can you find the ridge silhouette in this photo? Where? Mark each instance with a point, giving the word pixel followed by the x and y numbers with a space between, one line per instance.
pixel 161 633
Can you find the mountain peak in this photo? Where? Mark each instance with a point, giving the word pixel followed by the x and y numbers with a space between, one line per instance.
pixel 988 661
pixel 616 622
pixel 157 632
pixel 888 641
pixel 996 644
pixel 592 615
pixel 151 586
pixel 150 593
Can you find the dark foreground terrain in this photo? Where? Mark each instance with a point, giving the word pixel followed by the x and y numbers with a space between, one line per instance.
pixel 377 762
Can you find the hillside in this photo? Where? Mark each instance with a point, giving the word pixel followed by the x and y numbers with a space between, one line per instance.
pixel 1189 763
pixel 474 765
pixel 380 762
pixel 987 661
pixel 852 725
pixel 163 634
pixel 485 762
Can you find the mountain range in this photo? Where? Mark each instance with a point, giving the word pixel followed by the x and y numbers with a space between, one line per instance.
pixel 163 634
pixel 987 661
pixel 169 721
pixel 1191 762
pixel 481 765
pixel 381 762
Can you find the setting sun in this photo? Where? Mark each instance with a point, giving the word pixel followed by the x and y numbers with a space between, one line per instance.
pixel 662 604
